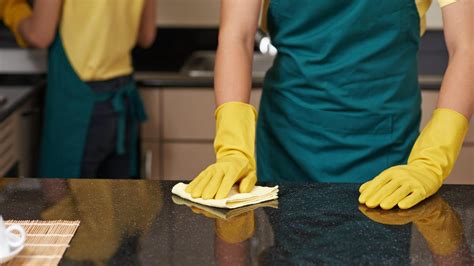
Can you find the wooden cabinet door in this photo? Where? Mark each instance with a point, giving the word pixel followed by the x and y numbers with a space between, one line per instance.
pixel 8 144
pixel 151 129
pixel 188 114
pixel 184 161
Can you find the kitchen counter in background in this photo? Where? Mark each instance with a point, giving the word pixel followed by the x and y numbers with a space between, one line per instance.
pixel 178 80
pixel 137 223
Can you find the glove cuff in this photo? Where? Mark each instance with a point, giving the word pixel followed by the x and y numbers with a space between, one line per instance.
pixel 235 130
pixel 440 142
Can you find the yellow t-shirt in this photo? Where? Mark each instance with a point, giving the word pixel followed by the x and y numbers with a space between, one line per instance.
pixel 98 36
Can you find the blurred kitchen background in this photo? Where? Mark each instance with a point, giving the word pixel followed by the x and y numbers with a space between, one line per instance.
pixel 176 81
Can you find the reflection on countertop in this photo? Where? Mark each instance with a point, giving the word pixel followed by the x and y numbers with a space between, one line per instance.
pixel 131 222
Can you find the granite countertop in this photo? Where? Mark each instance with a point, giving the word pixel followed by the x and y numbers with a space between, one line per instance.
pixel 15 96
pixel 157 80
pixel 137 222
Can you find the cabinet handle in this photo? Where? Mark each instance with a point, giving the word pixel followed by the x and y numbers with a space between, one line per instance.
pixel 148 164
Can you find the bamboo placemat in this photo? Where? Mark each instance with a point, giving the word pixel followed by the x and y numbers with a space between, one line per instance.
pixel 46 241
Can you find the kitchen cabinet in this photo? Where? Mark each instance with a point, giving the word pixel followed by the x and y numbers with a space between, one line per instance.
pixel 8 144
pixel 188 114
pixel 20 119
pixel 185 160
pixel 28 134
pixel 19 141
pixel 150 158
pixel 150 130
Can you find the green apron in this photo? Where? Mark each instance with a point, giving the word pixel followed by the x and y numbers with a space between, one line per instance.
pixel 341 102
pixel 68 109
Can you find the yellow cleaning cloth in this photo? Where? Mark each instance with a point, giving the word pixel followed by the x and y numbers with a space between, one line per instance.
pixel 234 199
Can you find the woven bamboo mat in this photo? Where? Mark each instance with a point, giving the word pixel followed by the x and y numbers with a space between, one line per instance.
pixel 46 241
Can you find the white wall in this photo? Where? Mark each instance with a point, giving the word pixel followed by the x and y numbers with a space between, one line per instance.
pixel 188 13
pixel 434 18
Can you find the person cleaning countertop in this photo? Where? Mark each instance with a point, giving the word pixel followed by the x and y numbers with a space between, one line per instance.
pixel 341 102
pixel 314 223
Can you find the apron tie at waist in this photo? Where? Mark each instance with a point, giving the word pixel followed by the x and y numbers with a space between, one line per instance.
pixel 68 110
pixel 137 113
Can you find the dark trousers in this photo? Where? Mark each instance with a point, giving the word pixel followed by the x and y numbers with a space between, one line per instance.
pixel 100 158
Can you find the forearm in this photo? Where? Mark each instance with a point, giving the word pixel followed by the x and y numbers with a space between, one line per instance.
pixel 39 29
pixel 457 90
pixel 147 32
pixel 233 70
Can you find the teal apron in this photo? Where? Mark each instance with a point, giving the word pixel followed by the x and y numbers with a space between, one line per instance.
pixel 68 109
pixel 341 102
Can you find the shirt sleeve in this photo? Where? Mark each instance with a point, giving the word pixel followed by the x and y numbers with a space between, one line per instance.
pixel 13 12
pixel 443 3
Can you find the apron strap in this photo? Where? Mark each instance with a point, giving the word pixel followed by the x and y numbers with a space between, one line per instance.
pixel 137 112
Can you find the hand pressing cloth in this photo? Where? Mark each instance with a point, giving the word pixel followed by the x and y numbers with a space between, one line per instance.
pixel 234 199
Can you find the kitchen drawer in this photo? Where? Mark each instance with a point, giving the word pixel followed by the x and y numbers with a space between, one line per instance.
pixel 184 161
pixel 463 172
pixel 28 137
pixel 150 130
pixel 8 144
pixel 188 114
pixel 430 100
pixel 150 160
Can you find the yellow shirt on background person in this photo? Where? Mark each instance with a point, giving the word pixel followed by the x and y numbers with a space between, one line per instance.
pixel 98 36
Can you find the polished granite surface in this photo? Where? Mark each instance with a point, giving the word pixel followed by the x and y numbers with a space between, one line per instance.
pixel 140 223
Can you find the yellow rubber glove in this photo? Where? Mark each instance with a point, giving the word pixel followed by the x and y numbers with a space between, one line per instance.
pixel 237 229
pixel 13 12
pixel 431 160
pixel 235 160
